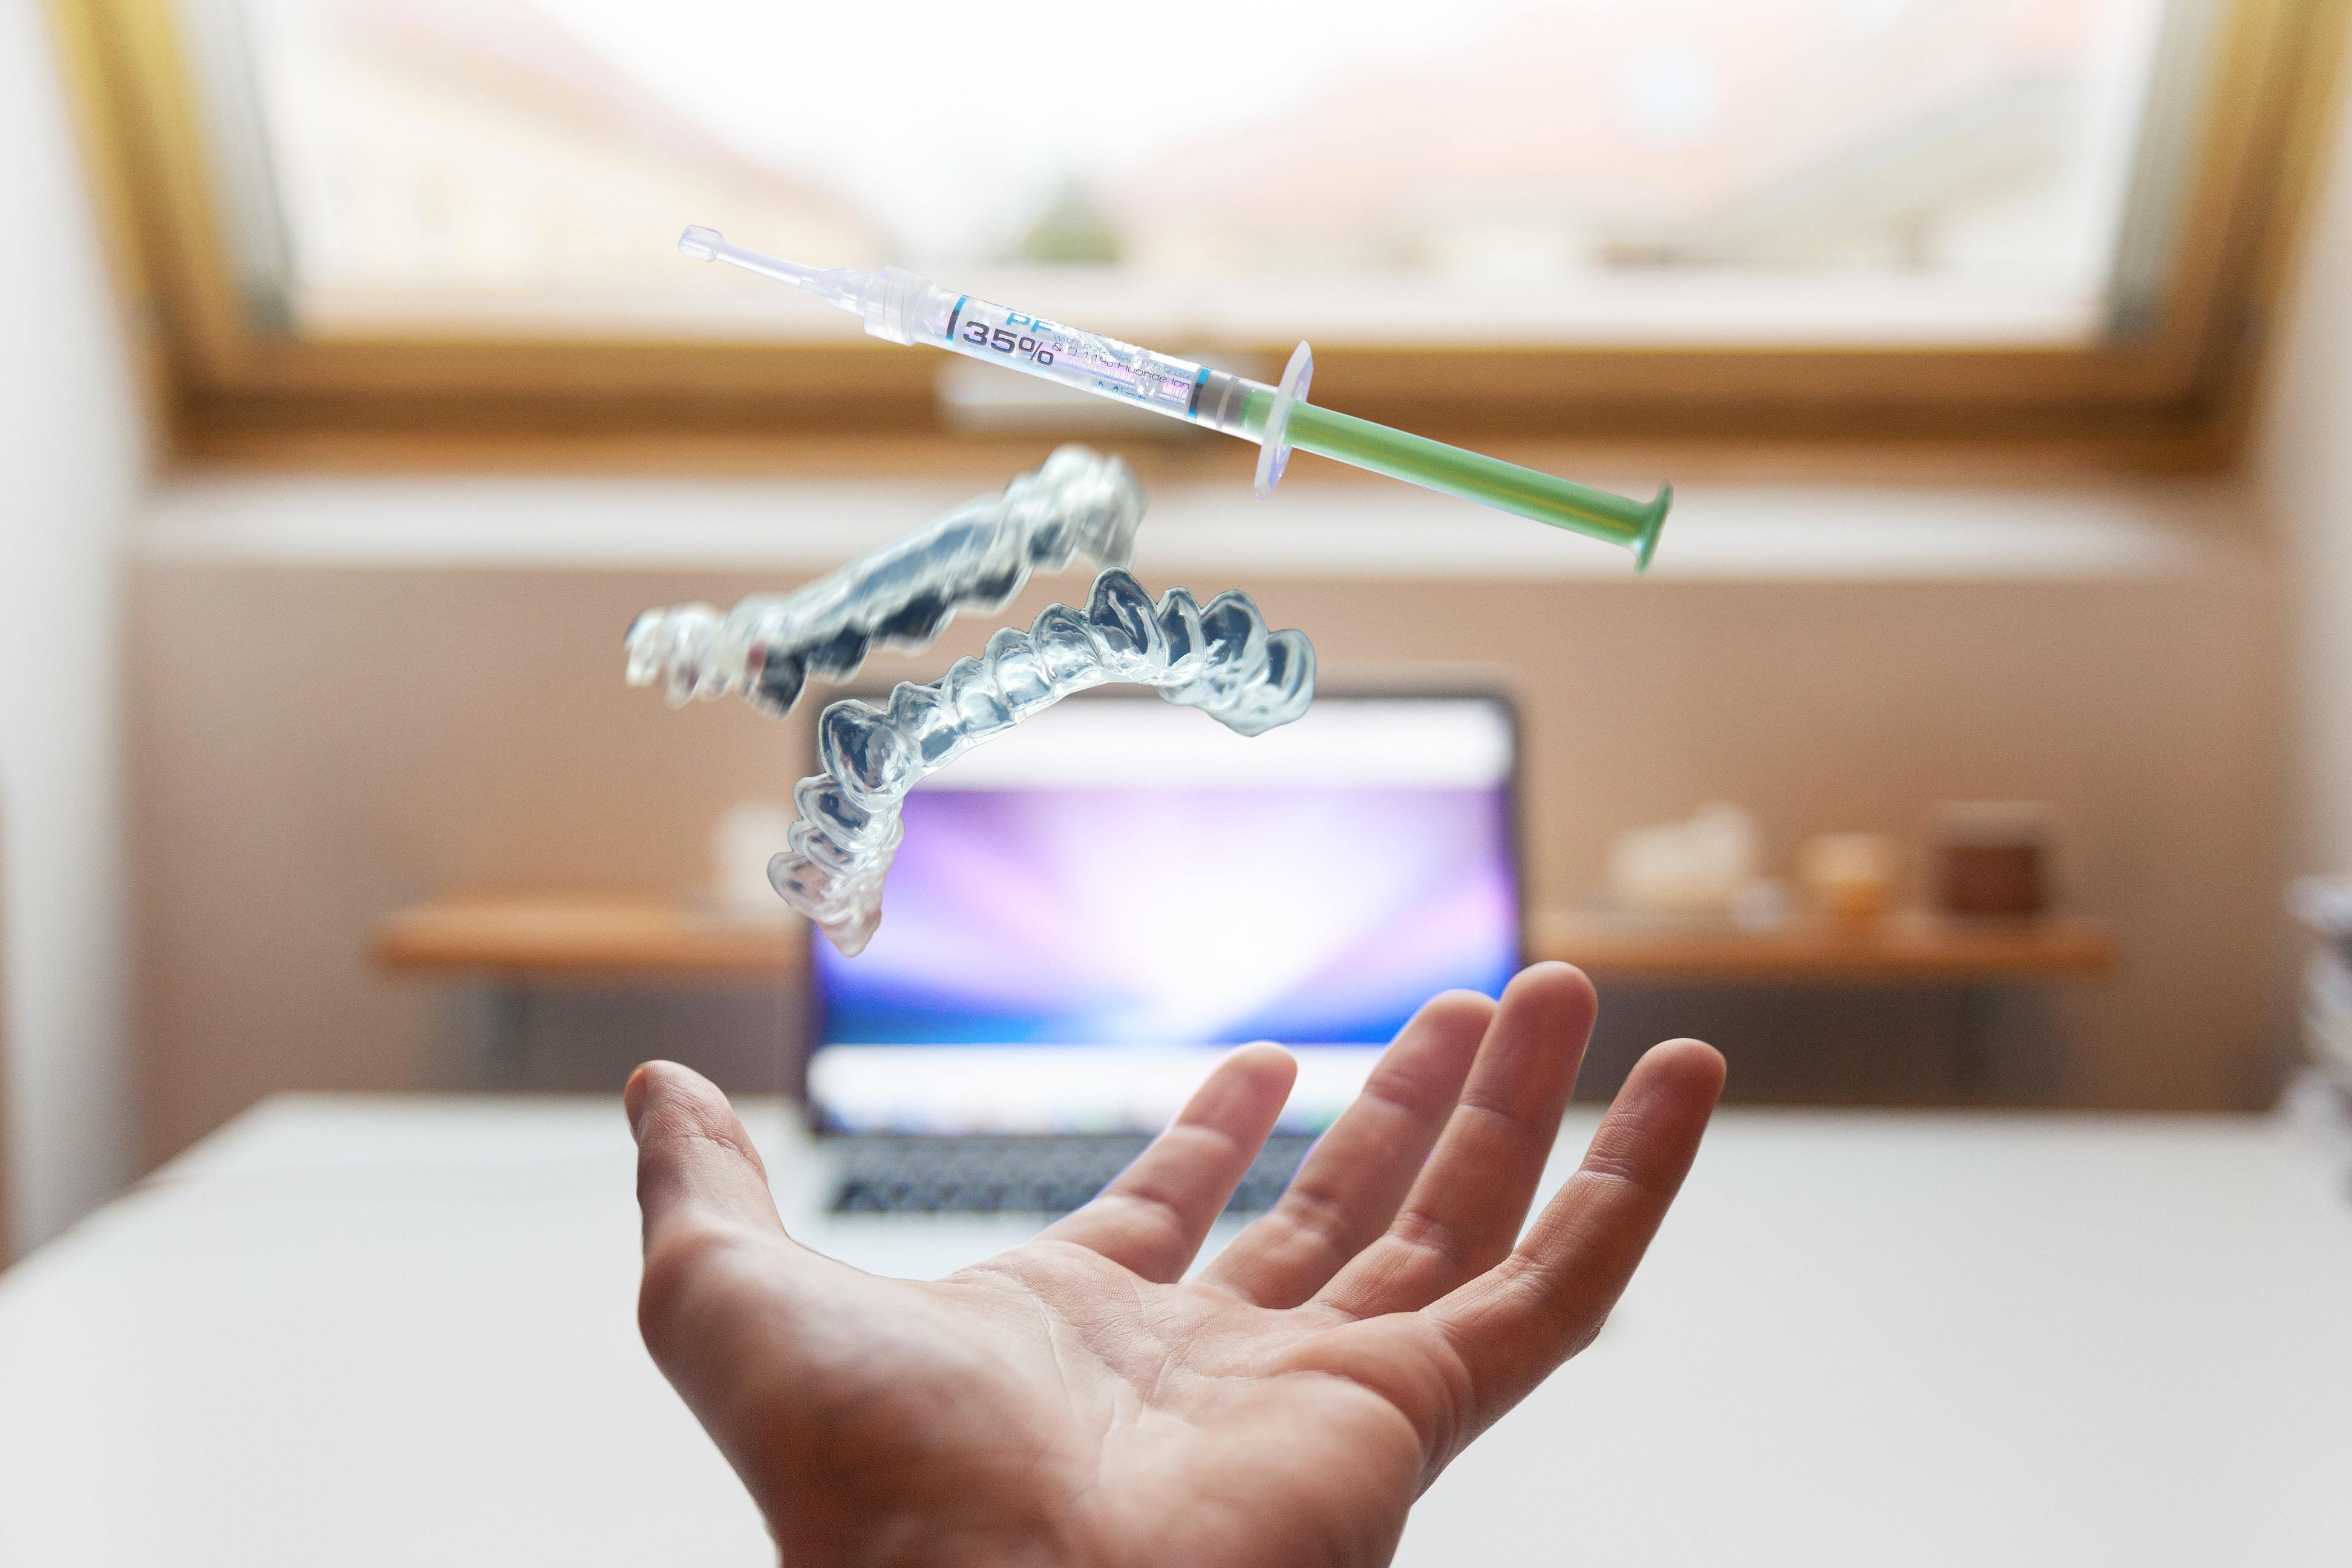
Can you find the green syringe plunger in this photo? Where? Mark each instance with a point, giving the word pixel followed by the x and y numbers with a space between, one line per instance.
pixel 907 307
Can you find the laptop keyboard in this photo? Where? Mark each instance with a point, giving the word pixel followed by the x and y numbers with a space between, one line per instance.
pixel 1017 1175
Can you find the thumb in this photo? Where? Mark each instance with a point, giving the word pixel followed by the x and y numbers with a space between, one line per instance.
pixel 697 1169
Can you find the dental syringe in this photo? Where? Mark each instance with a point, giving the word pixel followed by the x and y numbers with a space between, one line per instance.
pixel 907 307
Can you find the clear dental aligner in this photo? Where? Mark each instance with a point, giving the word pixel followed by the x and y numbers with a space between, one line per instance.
pixel 1217 656
pixel 975 558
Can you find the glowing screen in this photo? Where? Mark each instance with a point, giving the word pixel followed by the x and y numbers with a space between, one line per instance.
pixel 1082 907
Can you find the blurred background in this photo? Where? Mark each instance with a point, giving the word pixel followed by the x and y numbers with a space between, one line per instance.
pixel 1973 764
pixel 1990 688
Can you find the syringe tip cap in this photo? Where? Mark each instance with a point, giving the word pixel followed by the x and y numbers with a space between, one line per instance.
pixel 701 243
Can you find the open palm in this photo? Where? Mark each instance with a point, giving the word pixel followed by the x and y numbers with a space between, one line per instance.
pixel 1076 1400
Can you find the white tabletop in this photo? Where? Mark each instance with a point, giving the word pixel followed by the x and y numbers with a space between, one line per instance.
pixel 364 1330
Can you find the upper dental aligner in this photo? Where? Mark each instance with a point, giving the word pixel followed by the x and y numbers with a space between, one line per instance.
pixel 1217 656
pixel 975 557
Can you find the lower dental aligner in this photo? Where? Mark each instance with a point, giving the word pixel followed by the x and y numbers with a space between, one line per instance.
pixel 975 558
pixel 1217 656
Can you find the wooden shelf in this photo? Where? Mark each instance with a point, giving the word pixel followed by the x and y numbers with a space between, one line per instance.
pixel 1903 948
pixel 582 936
pixel 618 936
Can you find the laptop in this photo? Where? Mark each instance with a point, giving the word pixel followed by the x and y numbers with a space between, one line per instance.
pixel 1087 911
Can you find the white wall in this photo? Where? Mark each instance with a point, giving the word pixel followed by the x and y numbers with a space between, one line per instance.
pixel 2305 467
pixel 73 457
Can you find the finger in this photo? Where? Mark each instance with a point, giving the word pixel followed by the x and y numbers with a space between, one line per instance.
pixel 1153 1217
pixel 1516 1322
pixel 697 1171
pixel 1360 1171
pixel 725 1290
pixel 1468 1203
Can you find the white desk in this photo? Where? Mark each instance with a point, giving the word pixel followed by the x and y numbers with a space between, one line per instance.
pixel 359 1330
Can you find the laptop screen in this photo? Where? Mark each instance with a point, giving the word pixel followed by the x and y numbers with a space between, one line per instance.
pixel 1086 911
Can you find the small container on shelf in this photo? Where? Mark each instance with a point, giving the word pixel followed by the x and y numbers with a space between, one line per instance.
pixel 1992 859
pixel 1849 877
pixel 1693 870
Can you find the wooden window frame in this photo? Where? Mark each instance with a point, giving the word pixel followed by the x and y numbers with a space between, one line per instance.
pixel 2176 398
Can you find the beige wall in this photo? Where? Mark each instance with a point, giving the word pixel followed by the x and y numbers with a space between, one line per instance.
pixel 2305 465
pixel 315 743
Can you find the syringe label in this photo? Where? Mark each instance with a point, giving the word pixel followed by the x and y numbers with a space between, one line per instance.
pixel 1086 361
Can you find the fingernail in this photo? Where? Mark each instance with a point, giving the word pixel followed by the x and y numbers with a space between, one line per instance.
pixel 633 1099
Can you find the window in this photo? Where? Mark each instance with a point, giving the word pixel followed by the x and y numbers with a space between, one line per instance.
pixel 1669 217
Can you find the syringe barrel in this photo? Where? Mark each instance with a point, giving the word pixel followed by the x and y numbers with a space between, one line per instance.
pixel 907 308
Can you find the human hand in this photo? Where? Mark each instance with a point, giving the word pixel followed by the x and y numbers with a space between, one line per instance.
pixel 1076 1400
